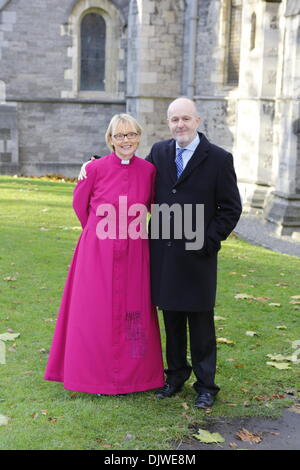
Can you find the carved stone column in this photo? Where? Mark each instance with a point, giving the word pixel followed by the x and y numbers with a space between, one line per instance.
pixel 255 101
pixel 283 205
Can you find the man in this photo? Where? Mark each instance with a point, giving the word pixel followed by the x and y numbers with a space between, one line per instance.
pixel 192 171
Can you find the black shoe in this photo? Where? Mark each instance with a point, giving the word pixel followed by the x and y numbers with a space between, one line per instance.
pixel 167 391
pixel 204 400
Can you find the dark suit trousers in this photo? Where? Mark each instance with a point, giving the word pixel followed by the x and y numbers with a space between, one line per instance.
pixel 202 346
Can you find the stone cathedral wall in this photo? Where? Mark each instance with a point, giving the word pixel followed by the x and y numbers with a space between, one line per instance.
pixel 46 125
pixel 157 50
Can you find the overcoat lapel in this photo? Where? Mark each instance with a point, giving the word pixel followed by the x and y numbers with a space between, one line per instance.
pixel 170 161
pixel 199 155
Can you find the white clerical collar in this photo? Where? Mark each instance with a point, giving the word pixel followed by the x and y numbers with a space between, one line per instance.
pixel 192 146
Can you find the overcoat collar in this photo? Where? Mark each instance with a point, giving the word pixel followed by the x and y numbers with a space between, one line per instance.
pixel 197 158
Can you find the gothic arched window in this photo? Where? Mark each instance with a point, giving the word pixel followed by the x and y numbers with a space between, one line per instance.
pixel 234 42
pixel 92 66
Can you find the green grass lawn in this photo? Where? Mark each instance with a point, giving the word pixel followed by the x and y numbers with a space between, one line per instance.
pixel 38 233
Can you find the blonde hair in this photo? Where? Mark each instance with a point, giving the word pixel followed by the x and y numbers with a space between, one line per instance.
pixel 116 119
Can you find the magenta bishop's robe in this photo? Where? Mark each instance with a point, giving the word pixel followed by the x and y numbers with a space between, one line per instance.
pixel 107 338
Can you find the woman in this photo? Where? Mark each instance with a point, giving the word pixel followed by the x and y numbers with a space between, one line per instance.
pixel 106 339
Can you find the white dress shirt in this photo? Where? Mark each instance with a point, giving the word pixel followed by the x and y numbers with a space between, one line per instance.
pixel 189 150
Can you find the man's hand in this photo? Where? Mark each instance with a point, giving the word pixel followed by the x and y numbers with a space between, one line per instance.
pixel 82 174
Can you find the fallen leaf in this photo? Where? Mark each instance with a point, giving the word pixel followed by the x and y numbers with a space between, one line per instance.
pixel 208 437
pixel 224 341
pixel 9 278
pixel 274 304
pixel 244 296
pixel 295 409
pixel 281 327
pixel 294 302
pixel 277 357
pixel 296 344
pixel 9 336
pixel 233 445
pixel 247 436
pixel 251 297
pixel 295 296
pixel 294 357
pixel 279 365
pixel 261 398
pixel 3 420
pixel 216 317
pixel 265 398
pixel 185 405
pixel 251 333
pixel 281 357
pixel 290 391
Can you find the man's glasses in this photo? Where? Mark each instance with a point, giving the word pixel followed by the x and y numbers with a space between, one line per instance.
pixel 130 136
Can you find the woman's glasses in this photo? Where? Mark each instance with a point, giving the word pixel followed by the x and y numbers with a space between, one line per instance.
pixel 130 136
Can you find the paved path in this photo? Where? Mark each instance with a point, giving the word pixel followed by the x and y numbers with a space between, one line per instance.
pixel 276 434
pixel 256 230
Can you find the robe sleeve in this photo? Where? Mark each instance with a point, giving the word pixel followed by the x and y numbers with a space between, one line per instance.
pixel 83 192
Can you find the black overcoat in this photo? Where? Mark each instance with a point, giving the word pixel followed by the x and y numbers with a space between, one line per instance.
pixel 182 279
